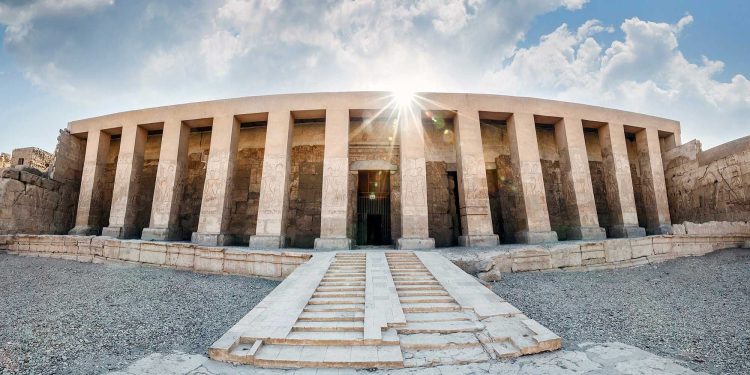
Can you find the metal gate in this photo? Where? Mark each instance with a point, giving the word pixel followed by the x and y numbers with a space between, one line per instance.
pixel 373 209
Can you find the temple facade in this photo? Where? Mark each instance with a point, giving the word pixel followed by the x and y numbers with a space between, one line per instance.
pixel 339 170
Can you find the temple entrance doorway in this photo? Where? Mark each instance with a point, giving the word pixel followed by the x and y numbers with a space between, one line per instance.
pixel 374 208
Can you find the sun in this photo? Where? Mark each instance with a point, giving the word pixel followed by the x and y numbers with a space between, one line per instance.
pixel 403 98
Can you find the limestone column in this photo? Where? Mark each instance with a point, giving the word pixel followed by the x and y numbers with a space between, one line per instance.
pixel 531 207
pixel 653 185
pixel 576 181
pixel 217 189
pixel 88 218
pixel 165 208
pixel 273 205
pixel 414 223
pixel 619 183
pixel 473 199
pixel 123 211
pixel 335 201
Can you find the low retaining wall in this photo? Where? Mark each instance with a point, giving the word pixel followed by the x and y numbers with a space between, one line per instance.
pixel 690 239
pixel 274 265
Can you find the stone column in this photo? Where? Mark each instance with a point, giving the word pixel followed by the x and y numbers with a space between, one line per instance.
pixel 531 206
pixel 653 185
pixel 414 223
pixel 335 202
pixel 619 183
pixel 217 189
pixel 474 202
pixel 165 208
pixel 274 188
pixel 123 211
pixel 88 218
pixel 576 181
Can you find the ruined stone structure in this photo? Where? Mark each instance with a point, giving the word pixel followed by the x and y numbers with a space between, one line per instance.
pixel 31 157
pixel 335 170
pixel 4 160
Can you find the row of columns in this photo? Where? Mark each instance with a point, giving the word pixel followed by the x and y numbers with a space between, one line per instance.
pixel 531 213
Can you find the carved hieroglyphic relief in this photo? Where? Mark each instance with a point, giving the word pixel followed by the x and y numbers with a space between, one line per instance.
pixel 164 191
pixel 272 187
pixel 413 186
pixel 86 196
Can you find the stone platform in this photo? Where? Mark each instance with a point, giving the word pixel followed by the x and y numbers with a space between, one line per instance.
pixel 380 309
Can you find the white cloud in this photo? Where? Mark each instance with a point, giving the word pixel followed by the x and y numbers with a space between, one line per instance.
pixel 645 72
pixel 18 19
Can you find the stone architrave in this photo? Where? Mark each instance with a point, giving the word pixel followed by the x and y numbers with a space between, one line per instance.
pixel 653 185
pixel 88 217
pixel 214 216
pixel 618 180
pixel 576 181
pixel 474 203
pixel 531 206
pixel 124 208
pixel 274 188
pixel 169 183
pixel 414 214
pixel 335 201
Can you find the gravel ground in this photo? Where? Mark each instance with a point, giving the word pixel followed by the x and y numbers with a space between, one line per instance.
pixel 66 317
pixel 696 310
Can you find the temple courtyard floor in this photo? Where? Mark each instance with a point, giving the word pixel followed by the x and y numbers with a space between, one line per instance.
pixel 684 315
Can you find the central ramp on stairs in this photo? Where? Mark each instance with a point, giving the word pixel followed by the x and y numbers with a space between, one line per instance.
pixel 380 309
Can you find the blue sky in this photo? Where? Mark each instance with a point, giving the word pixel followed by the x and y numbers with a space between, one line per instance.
pixel 63 60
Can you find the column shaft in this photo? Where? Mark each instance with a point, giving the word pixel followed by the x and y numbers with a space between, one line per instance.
pixel 274 189
pixel 335 201
pixel 88 215
pixel 474 202
pixel 217 189
pixel 623 216
pixel 531 205
pixel 169 183
pixel 576 181
pixel 653 185
pixel 414 222
pixel 127 183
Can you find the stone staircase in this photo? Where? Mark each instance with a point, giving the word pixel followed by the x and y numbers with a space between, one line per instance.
pixel 380 310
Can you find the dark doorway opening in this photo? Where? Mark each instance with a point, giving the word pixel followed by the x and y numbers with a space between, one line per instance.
pixel 455 208
pixel 374 208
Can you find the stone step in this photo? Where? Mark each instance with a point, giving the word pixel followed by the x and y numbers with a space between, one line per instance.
pixel 440 327
pixel 335 301
pixel 342 283
pixel 331 316
pixel 402 283
pixel 324 294
pixel 344 274
pixel 444 357
pixel 426 299
pixel 414 293
pixel 419 287
pixel 430 307
pixel 284 356
pixel 436 317
pixel 332 326
pixel 338 307
pixel 427 341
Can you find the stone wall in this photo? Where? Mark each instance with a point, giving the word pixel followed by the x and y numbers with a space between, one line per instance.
pixel 305 194
pixel 708 185
pixel 443 217
pixel 32 157
pixel 38 202
pixel 185 256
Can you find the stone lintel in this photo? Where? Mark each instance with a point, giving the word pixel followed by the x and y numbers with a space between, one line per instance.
pixel 160 234
pixel 479 240
pixel 528 237
pixel 333 243
pixel 626 231
pixel 211 239
pixel 415 243
pixel 587 233
pixel 267 242
pixel 120 232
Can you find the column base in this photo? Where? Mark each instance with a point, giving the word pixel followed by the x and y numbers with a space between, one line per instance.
pixel 661 229
pixel 85 231
pixel 333 243
pixel 267 242
pixel 415 243
pixel 536 237
pixel 160 234
pixel 587 233
pixel 119 232
pixel 626 231
pixel 211 239
pixel 479 240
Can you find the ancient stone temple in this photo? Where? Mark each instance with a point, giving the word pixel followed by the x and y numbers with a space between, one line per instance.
pixel 337 170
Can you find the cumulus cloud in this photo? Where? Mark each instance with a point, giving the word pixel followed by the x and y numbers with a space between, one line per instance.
pixel 644 72
pixel 19 18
